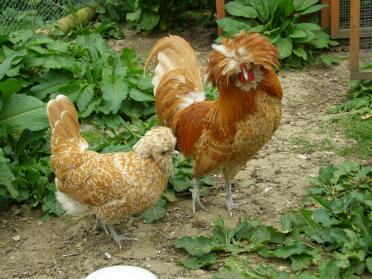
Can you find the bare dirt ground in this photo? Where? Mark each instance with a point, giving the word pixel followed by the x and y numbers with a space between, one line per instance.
pixel 272 182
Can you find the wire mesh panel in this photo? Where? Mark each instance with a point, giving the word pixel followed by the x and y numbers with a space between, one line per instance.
pixel 18 14
pixel 365 56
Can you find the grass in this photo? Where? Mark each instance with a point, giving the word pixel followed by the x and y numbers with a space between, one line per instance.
pixel 306 146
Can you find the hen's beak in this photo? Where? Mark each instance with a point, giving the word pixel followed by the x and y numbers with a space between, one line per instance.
pixel 173 153
pixel 245 75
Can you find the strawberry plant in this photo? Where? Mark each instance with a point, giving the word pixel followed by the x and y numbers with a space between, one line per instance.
pixel 279 20
pixel 331 239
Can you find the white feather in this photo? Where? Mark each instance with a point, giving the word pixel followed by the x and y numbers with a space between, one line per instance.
pixel 192 97
pixel 69 205
pixel 222 49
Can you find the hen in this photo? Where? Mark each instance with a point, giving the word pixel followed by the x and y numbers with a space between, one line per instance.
pixel 112 185
pixel 221 135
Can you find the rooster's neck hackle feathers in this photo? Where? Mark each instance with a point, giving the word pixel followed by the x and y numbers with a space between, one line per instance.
pixel 251 49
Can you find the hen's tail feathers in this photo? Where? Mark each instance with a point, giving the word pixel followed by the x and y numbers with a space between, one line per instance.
pixel 178 80
pixel 64 124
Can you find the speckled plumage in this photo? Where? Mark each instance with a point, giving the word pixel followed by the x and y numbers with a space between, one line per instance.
pixel 111 185
pixel 221 135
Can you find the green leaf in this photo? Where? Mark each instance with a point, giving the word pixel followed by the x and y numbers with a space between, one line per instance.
pixel 233 25
pixel 369 264
pixel 56 62
pixel 298 34
pixel 86 95
pixel 285 7
pixel 199 262
pixel 140 96
pixel 284 46
pixel 323 217
pixel 148 21
pixel 265 9
pixel 156 212
pixel 26 138
pixel 238 9
pixel 307 275
pixel 20 36
pixel 299 262
pixel 52 82
pixel 300 52
pixel 312 9
pixel 134 16
pixel 307 26
pixel 286 221
pixel 7 177
pixel 300 5
pixel 326 60
pixel 329 270
pixel 287 251
pixel 198 246
pixel 9 61
pixel 24 111
pixel 260 235
pixel 114 92
pixel 10 86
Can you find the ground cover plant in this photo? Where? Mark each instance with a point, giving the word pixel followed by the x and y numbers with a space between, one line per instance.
pixel 328 237
pixel 108 88
pixel 144 15
pixel 355 118
pixel 280 21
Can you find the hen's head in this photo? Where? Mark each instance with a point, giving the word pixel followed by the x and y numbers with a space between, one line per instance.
pixel 240 60
pixel 159 144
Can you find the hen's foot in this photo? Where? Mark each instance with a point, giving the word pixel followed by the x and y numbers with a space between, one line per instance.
pixel 118 237
pixel 196 200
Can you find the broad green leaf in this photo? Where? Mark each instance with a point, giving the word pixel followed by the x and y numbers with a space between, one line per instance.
pixel 20 36
pixel 199 245
pixel 114 92
pixel 307 26
pixel 369 264
pixel 24 111
pixel 326 60
pixel 265 9
pixel 199 262
pixel 220 233
pixel 312 9
pixel 297 248
pixel 307 275
pixel 170 195
pixel 53 82
pixel 134 16
pixel 285 7
pixel 86 95
pixel 132 109
pixel 26 138
pixel 323 217
pixel 286 221
pixel 329 270
pixel 233 25
pixel 8 62
pixel 148 21
pixel 156 212
pixel 300 5
pixel 10 86
pixel 284 46
pixel 7 177
pixel 260 235
pixel 300 52
pixel 129 58
pixel 140 96
pixel 56 62
pixel 115 148
pixel 299 262
pixel 238 9
pixel 298 34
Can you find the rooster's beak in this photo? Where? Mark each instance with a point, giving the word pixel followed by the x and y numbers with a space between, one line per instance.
pixel 244 70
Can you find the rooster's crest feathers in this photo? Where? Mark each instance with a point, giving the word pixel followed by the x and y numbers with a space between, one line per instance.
pixel 252 49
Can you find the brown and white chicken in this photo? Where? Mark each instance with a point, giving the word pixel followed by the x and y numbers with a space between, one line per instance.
pixel 221 135
pixel 113 185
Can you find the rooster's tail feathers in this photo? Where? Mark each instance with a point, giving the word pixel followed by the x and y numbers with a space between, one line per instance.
pixel 64 123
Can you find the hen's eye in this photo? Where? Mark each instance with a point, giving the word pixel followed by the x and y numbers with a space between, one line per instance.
pixel 164 152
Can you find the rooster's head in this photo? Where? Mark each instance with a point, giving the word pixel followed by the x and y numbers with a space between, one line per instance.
pixel 241 60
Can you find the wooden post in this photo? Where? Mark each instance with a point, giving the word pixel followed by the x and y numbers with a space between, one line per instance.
pixel 220 9
pixel 335 17
pixel 354 35
pixel 324 14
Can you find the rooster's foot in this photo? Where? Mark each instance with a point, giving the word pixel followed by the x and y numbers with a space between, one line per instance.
pixel 231 205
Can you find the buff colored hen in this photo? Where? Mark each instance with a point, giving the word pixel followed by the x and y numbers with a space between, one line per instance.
pixel 113 185
pixel 221 135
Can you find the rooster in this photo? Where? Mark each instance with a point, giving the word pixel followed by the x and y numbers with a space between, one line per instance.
pixel 221 135
pixel 113 185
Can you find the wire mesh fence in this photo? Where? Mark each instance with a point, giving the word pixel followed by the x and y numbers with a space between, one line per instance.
pixel 365 56
pixel 33 14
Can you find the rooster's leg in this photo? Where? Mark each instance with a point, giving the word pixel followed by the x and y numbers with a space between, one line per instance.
pixel 196 197
pixel 229 198
pixel 117 237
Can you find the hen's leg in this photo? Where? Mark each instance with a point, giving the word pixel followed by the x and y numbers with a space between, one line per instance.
pixel 196 196
pixel 117 237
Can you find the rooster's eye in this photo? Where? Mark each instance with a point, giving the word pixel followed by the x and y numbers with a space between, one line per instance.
pixel 164 152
